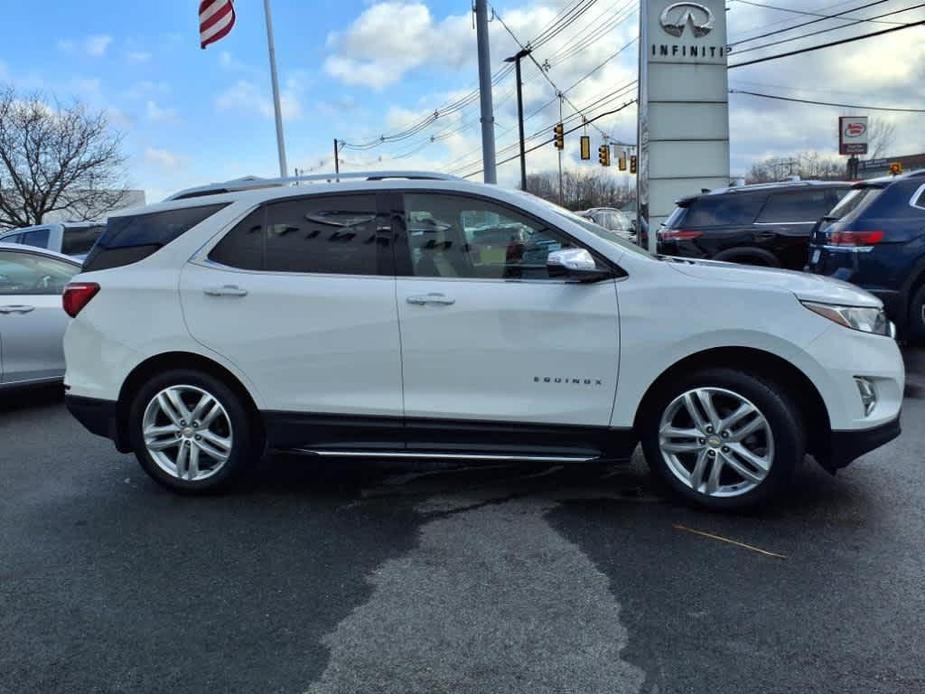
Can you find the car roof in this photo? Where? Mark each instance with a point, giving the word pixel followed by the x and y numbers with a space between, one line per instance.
pixel 760 187
pixel 884 181
pixel 251 193
pixel 37 251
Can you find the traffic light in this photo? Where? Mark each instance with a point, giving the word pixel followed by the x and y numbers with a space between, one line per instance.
pixel 621 162
pixel 585 147
pixel 633 164
pixel 559 131
pixel 896 168
pixel 603 155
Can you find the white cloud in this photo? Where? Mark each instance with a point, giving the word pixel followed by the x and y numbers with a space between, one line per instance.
pixel 94 46
pixel 86 88
pixel 164 159
pixel 138 56
pixel 147 89
pixel 158 114
pixel 244 96
pixel 391 38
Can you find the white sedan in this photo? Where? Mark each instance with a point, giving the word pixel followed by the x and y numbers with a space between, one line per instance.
pixel 32 322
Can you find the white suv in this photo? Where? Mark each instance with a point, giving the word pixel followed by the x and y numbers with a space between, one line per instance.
pixel 416 315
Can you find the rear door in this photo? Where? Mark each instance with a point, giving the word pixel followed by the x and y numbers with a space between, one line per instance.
pixel 32 321
pixel 300 296
pixel 784 225
pixel 487 334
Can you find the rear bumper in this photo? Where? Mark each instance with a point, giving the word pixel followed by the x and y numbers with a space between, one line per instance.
pixel 97 416
pixel 847 446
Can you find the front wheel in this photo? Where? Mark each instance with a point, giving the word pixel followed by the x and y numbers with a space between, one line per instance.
pixel 191 432
pixel 723 438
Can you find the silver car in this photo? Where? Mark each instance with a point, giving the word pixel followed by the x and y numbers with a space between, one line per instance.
pixel 32 321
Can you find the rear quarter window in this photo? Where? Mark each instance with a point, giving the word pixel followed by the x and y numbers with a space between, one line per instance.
pixel 133 238
pixel 723 210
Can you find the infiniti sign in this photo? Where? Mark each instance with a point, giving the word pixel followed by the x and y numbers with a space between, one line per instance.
pixel 675 18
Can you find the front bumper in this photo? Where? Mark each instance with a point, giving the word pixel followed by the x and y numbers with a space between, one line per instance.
pixel 97 416
pixel 847 446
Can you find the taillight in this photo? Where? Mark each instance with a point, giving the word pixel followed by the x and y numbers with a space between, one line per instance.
pixel 854 238
pixel 679 234
pixel 77 295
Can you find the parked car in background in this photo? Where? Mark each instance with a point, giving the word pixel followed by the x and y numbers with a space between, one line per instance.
pixel 763 224
pixel 357 319
pixel 31 320
pixel 611 219
pixel 875 238
pixel 74 239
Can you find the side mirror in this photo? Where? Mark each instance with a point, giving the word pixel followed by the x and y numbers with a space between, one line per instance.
pixel 574 263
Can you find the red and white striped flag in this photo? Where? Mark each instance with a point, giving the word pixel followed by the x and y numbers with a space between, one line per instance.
pixel 216 19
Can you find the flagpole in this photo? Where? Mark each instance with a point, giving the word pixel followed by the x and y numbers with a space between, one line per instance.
pixel 280 140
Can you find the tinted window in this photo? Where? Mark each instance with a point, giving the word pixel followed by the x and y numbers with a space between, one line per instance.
pixel 37 238
pixel 320 234
pixel 797 206
pixel 919 200
pixel 25 273
pixel 130 239
pixel 15 238
pixel 456 236
pixel 79 240
pixel 853 201
pixel 717 210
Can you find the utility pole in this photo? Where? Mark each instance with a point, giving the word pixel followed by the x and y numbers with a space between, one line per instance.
pixel 336 160
pixel 271 46
pixel 521 54
pixel 560 153
pixel 489 166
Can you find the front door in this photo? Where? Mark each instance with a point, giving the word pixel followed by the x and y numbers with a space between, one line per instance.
pixel 32 322
pixel 297 297
pixel 486 333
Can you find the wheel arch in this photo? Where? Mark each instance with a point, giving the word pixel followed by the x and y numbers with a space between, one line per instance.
pixel 765 364
pixel 174 360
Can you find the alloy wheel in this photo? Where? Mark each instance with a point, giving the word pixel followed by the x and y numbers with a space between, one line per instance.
pixel 187 432
pixel 716 442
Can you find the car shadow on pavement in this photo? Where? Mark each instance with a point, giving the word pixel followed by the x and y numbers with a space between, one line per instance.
pixel 18 399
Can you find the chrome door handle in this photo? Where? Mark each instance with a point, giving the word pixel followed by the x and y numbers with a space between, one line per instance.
pixel 20 308
pixel 226 290
pixel 424 299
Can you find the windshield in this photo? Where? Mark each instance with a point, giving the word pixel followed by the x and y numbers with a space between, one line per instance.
pixel 595 229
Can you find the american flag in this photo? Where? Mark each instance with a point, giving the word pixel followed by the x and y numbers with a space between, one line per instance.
pixel 216 19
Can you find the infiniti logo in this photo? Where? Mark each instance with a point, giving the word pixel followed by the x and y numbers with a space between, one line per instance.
pixel 679 15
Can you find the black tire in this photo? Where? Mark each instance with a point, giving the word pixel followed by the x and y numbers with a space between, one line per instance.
pixel 915 326
pixel 246 442
pixel 778 408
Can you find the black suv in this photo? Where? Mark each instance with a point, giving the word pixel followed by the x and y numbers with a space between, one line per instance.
pixel 763 224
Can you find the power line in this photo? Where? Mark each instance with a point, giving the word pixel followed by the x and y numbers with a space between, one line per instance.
pixel 807 13
pixel 546 142
pixel 828 29
pixel 828 103
pixel 804 24
pixel 820 46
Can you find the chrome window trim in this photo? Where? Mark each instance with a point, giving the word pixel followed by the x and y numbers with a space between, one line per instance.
pixel 917 196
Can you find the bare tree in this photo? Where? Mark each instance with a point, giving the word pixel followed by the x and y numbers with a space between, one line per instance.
pixel 56 158
pixel 581 190
pixel 808 165
pixel 880 136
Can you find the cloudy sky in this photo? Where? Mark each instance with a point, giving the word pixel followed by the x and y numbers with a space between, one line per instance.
pixel 357 70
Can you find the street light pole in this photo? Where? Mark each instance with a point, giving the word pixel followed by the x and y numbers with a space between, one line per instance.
pixel 523 53
pixel 271 45
pixel 488 117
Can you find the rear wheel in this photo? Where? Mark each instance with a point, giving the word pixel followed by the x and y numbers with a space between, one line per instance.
pixel 916 324
pixel 192 433
pixel 723 438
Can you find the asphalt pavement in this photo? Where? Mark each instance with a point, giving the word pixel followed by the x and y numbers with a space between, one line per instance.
pixel 366 577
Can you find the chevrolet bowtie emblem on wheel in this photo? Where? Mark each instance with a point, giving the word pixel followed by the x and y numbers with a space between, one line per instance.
pixel 676 17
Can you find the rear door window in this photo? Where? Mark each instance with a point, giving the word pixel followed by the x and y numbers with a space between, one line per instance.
pixel 37 238
pixel 723 210
pixel 79 240
pixel 795 207
pixel 15 238
pixel 133 238
pixel 318 234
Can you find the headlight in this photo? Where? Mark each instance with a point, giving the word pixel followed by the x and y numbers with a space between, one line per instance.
pixel 867 320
